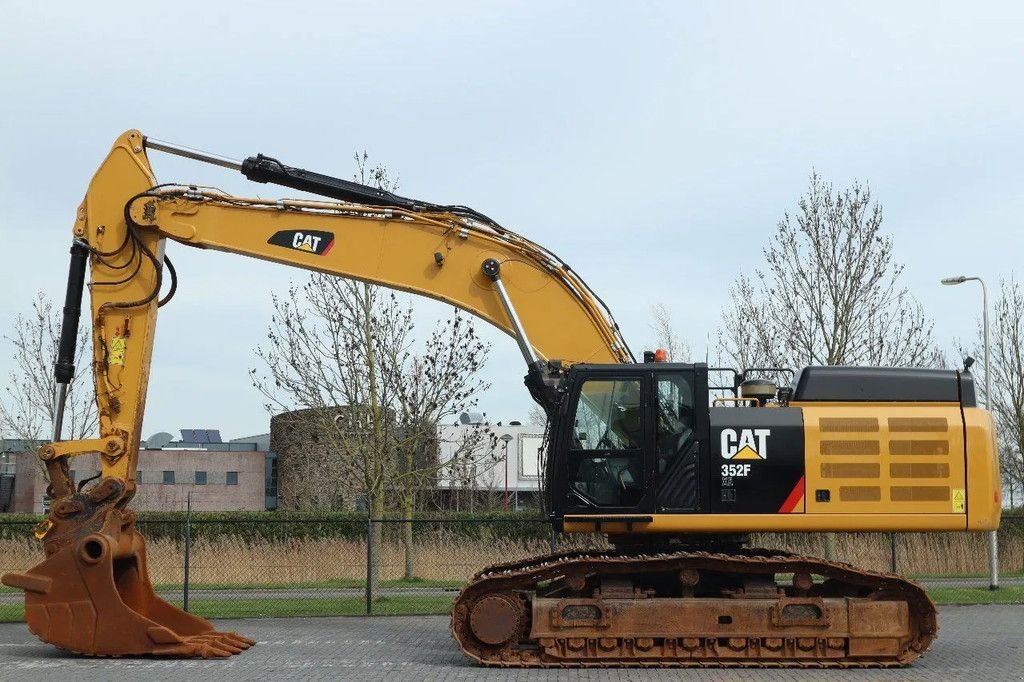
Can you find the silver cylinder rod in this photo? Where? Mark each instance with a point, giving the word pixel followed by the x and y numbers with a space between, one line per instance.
pixel 194 154
pixel 492 269
pixel 58 412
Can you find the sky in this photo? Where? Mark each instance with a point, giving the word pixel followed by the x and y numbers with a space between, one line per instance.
pixel 654 146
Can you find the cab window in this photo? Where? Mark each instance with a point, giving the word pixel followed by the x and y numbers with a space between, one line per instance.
pixel 676 451
pixel 606 464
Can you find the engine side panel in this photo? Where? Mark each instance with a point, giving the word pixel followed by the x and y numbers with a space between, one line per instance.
pixel 885 458
pixel 757 460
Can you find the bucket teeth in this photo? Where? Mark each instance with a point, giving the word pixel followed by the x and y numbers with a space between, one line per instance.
pixel 92 595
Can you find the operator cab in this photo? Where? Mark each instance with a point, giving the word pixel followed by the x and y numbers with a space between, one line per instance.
pixel 630 438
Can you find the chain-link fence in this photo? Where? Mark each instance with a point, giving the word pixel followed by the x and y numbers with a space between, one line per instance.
pixel 244 567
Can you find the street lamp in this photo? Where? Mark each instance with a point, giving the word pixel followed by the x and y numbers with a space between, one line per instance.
pixel 952 281
pixel 993 540
pixel 507 438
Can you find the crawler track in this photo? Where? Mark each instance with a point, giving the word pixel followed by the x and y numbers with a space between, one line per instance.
pixel 690 609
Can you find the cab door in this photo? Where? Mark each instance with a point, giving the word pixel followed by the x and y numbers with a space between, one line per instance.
pixel 679 458
pixel 632 441
pixel 606 436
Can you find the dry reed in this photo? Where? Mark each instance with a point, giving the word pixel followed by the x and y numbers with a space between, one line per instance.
pixel 449 557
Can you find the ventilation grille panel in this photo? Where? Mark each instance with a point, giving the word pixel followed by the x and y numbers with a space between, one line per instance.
pixel 918 424
pixel 848 424
pixel 918 470
pixel 849 447
pixel 860 493
pixel 919 447
pixel 850 470
pixel 919 493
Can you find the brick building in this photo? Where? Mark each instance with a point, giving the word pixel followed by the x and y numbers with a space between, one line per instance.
pixel 243 474
pixel 232 476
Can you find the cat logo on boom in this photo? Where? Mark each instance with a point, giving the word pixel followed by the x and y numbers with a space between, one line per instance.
pixel 745 444
pixel 311 241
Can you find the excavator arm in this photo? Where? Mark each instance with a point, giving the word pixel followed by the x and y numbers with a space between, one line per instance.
pixel 92 594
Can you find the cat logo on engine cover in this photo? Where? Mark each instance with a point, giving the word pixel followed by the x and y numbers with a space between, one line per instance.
pixel 745 444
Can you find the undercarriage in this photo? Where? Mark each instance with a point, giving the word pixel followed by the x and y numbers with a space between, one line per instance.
pixel 744 607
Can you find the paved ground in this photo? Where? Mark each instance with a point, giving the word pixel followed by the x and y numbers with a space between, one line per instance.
pixel 975 643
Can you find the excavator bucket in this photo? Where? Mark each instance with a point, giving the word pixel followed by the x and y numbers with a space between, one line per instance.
pixel 92 594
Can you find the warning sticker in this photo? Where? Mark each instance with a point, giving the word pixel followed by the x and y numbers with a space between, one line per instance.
pixel 959 501
pixel 117 348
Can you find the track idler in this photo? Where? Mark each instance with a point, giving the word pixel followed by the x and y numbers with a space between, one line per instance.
pixel 92 594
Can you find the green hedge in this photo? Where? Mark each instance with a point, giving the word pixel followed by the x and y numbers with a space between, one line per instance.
pixel 283 526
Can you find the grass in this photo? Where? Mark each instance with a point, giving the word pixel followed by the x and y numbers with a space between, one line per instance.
pixel 311 584
pixel 440 604
pixel 12 613
pixel 977 595
pixel 280 608
pixel 317 584
pixel 962 576
pixel 344 606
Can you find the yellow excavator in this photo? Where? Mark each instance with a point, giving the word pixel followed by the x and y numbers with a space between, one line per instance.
pixel 638 451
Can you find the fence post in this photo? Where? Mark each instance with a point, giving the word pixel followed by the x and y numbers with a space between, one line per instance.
pixel 369 565
pixel 993 560
pixel 892 552
pixel 830 545
pixel 188 548
pixel 554 540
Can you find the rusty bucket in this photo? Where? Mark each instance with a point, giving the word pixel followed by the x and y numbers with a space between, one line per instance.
pixel 92 594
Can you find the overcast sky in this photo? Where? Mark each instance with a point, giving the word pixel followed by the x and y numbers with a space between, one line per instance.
pixel 654 146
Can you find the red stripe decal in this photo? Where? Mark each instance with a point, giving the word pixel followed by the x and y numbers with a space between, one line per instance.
pixel 795 496
pixel 328 248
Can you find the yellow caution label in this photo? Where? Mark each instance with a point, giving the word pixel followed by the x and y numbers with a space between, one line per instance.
pixel 42 528
pixel 959 501
pixel 117 348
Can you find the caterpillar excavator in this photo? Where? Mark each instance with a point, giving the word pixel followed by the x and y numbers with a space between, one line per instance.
pixel 638 451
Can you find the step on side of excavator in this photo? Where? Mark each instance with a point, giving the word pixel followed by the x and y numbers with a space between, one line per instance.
pixel 691 609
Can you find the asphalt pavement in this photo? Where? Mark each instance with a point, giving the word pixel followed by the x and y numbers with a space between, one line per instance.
pixel 975 643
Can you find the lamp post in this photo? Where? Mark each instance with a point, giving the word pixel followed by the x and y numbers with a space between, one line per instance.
pixel 993 539
pixel 506 438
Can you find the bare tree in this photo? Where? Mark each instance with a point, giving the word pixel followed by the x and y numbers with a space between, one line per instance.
pixel 665 334
pixel 828 293
pixel 342 352
pixel 27 403
pixel 1006 347
pixel 430 388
